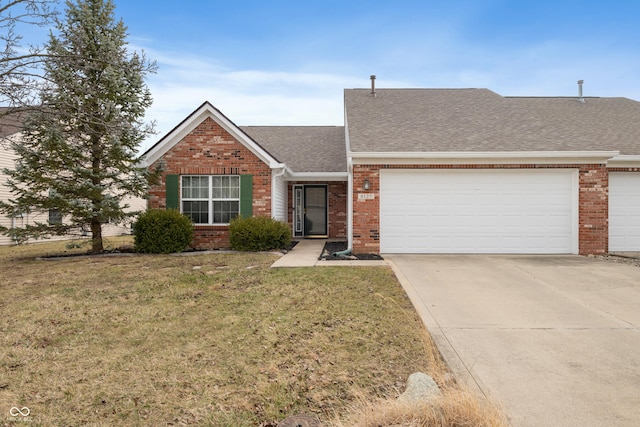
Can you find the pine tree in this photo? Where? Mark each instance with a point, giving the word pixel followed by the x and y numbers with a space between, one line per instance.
pixel 78 155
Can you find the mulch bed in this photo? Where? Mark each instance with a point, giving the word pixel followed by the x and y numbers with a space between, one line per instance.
pixel 330 248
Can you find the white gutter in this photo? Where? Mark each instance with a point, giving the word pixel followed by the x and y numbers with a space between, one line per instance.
pixel 283 170
pixel 624 161
pixel 349 154
pixel 472 157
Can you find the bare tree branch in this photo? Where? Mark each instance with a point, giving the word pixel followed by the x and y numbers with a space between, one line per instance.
pixel 20 64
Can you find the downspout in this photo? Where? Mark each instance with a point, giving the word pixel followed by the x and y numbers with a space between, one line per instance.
pixel 14 223
pixel 341 253
pixel 349 185
pixel 349 206
pixel 349 213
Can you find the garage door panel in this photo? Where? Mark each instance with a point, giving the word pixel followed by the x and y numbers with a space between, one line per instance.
pixel 437 221
pixel 479 211
pixel 624 212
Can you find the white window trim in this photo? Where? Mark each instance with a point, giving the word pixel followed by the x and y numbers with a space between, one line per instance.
pixel 210 199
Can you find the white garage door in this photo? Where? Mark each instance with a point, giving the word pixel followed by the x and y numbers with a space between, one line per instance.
pixel 479 211
pixel 624 212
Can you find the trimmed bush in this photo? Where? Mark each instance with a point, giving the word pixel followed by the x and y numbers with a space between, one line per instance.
pixel 160 231
pixel 258 233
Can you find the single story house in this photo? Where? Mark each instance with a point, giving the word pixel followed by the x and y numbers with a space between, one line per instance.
pixel 419 171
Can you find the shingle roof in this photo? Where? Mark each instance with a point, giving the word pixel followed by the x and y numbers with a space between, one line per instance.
pixel 303 148
pixel 479 120
pixel 10 121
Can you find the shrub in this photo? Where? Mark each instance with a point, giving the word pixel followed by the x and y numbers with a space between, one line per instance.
pixel 258 233
pixel 162 231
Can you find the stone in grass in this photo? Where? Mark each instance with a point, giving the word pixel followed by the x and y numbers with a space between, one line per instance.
pixel 300 421
pixel 420 387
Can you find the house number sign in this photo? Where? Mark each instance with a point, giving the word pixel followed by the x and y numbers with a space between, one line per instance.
pixel 366 196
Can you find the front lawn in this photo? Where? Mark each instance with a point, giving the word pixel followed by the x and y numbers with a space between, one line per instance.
pixel 217 339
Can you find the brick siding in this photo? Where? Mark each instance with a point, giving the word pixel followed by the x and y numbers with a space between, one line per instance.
pixel 366 213
pixel 593 203
pixel 593 210
pixel 211 150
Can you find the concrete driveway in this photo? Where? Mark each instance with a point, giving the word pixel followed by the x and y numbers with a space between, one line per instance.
pixel 554 339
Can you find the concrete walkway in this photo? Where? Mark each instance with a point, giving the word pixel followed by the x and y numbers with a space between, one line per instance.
pixel 554 339
pixel 307 252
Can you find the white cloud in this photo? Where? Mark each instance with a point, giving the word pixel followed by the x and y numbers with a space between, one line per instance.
pixel 247 97
pixel 264 97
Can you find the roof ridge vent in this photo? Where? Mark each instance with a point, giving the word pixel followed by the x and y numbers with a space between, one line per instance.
pixel 580 97
pixel 373 86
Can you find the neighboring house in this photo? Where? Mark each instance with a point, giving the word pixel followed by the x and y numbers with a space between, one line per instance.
pixel 10 129
pixel 419 171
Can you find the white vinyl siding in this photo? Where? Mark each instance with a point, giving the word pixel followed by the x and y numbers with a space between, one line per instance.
pixel 7 158
pixel 279 207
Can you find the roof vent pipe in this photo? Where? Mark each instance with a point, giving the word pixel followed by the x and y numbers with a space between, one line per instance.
pixel 373 86
pixel 580 97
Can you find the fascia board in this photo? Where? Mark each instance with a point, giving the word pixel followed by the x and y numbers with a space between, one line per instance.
pixel 470 157
pixel 347 141
pixel 624 161
pixel 317 176
pixel 173 137
pixel 207 111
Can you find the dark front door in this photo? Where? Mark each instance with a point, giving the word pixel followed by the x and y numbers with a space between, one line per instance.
pixel 315 210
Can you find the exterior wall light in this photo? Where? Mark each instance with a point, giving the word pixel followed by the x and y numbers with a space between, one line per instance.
pixel 366 184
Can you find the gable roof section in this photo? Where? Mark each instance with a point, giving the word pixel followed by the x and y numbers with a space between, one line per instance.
pixel 313 149
pixel 481 121
pixel 207 110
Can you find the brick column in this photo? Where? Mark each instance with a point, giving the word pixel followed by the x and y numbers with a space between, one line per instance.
pixel 366 209
pixel 593 210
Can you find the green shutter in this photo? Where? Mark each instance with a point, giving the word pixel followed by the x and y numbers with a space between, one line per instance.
pixel 246 195
pixel 173 191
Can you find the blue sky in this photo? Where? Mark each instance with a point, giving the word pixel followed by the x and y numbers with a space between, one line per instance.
pixel 274 62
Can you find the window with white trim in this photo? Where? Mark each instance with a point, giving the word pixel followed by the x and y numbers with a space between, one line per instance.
pixel 55 217
pixel 210 199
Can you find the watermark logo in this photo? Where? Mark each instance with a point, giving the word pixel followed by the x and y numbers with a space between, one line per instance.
pixel 17 412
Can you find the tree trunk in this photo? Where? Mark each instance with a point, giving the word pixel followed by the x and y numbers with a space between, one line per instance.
pixel 96 199
pixel 96 235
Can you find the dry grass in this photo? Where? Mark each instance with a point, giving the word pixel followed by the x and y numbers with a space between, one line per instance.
pixel 217 339
pixel 456 408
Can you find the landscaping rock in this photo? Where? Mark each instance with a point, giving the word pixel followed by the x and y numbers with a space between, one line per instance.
pixel 300 421
pixel 420 386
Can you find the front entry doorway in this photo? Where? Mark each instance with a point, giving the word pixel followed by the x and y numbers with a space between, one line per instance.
pixel 310 211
